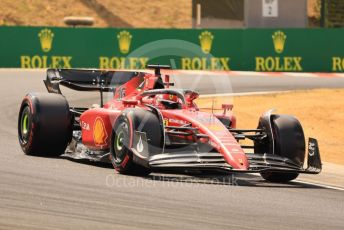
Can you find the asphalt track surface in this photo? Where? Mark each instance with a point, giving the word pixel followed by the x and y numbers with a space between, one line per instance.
pixel 57 193
pixel 218 83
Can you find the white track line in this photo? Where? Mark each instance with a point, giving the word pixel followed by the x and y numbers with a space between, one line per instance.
pixel 289 74
pixel 242 94
pixel 320 185
pixel 339 74
pixel 248 73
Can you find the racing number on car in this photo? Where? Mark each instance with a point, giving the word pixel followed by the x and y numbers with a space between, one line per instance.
pixel 122 93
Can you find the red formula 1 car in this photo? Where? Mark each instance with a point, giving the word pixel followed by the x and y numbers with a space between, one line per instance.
pixel 149 125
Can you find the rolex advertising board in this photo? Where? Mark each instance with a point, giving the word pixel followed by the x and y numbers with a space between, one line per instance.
pixel 291 50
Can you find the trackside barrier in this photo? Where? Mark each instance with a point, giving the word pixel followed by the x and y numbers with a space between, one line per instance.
pixel 272 50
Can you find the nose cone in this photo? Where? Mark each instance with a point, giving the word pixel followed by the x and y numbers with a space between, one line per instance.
pixel 236 157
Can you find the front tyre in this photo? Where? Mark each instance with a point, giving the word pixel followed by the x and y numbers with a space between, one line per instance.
pixel 287 140
pixel 121 155
pixel 127 124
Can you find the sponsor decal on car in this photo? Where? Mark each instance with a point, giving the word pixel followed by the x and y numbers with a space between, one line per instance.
pixel 100 135
pixel 176 121
pixel 84 125
pixel 121 93
pixel 311 149
pixel 139 145
pixel 165 122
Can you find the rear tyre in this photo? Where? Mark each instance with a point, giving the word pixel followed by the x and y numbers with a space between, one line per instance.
pixel 127 123
pixel 289 142
pixel 44 124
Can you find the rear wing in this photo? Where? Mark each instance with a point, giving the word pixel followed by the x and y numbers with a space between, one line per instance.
pixel 87 79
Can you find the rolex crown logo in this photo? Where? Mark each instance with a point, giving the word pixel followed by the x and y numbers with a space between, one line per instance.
pixel 124 40
pixel 206 40
pixel 46 39
pixel 279 39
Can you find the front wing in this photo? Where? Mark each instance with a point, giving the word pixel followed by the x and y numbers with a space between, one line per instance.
pixel 258 162
pixel 210 161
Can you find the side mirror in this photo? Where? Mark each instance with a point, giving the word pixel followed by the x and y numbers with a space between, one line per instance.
pixel 132 102
pixel 226 107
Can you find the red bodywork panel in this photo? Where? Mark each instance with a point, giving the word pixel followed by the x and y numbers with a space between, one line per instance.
pixel 96 123
pixel 96 126
pixel 220 138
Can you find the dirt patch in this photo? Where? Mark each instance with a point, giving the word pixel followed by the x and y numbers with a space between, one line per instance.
pixel 321 113
pixel 107 13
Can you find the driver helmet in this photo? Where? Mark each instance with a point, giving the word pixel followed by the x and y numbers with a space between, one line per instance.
pixel 169 97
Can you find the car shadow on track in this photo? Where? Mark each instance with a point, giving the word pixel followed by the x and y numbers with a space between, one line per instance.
pixel 231 179
pixel 88 162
